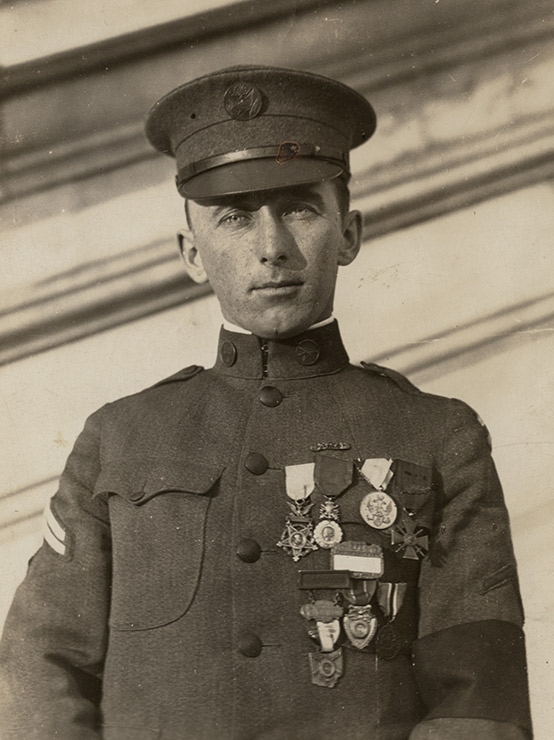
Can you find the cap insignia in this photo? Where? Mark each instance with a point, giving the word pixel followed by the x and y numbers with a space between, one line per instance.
pixel 288 150
pixel 243 101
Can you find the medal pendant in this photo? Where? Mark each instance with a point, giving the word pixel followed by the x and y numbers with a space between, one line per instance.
pixel 378 510
pixel 297 537
pixel 326 668
pixel 327 533
pixel 360 625
pixel 409 540
pixel 387 645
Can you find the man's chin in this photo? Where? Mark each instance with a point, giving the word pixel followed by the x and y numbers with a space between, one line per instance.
pixel 280 330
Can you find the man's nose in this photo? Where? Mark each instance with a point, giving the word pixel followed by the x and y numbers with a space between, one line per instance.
pixel 276 244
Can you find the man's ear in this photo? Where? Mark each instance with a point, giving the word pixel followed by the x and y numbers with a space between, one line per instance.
pixel 351 238
pixel 191 256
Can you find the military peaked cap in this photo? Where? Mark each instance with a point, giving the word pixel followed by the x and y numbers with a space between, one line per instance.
pixel 248 128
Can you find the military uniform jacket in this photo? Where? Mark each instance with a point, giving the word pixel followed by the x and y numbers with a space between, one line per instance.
pixel 160 606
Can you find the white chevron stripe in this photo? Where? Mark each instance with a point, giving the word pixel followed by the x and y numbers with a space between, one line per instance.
pixel 50 538
pixel 52 531
pixel 53 523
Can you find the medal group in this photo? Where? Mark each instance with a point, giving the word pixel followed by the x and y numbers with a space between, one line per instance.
pixel 398 505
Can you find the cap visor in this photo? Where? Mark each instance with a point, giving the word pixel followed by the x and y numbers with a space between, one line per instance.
pixel 257 174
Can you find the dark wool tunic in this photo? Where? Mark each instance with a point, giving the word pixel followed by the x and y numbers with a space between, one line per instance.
pixel 161 586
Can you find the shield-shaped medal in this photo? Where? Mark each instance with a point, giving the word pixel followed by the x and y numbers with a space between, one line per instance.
pixel 360 625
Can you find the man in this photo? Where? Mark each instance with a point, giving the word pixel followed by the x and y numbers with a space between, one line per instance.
pixel 283 546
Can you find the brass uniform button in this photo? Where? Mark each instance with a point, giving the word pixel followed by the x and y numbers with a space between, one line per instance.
pixel 248 550
pixel 249 644
pixel 270 396
pixel 256 463
pixel 228 353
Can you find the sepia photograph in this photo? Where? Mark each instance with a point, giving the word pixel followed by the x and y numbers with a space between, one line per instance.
pixel 276 370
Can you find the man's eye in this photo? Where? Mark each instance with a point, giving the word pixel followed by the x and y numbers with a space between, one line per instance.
pixel 234 219
pixel 301 211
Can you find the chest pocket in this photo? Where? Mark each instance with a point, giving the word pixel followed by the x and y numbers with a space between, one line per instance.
pixel 158 516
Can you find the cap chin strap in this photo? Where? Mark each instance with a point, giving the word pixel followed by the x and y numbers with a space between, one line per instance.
pixel 287 151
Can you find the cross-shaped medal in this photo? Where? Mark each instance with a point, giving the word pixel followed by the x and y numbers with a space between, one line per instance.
pixel 405 537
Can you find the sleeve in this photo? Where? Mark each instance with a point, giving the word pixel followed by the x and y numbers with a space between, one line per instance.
pixel 54 641
pixel 469 658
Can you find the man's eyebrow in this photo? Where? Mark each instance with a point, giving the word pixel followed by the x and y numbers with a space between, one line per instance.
pixel 242 204
pixel 254 201
pixel 304 193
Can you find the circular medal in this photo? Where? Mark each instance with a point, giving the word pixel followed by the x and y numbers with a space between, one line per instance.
pixel 327 668
pixel 327 533
pixel 378 510
pixel 388 645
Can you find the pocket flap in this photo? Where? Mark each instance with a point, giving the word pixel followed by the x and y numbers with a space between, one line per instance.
pixel 141 481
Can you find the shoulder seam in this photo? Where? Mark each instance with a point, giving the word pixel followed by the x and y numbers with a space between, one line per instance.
pixel 185 374
pixel 400 380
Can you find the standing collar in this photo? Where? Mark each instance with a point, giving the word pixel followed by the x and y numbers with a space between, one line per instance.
pixel 317 351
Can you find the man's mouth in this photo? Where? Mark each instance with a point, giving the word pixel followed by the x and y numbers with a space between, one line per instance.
pixel 277 285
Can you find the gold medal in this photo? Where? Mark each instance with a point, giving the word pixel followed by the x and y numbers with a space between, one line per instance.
pixel 327 533
pixel 378 510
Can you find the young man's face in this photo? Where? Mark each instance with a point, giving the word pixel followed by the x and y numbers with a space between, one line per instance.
pixel 272 257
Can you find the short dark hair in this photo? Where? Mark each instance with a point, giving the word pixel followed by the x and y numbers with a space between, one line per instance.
pixel 343 193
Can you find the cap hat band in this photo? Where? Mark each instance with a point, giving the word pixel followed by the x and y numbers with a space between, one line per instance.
pixel 285 152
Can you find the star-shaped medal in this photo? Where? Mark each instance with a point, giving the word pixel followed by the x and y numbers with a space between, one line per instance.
pixel 297 538
pixel 406 537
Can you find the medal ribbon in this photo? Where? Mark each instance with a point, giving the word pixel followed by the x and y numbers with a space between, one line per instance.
pixel 299 481
pixel 390 597
pixel 333 475
pixel 377 472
